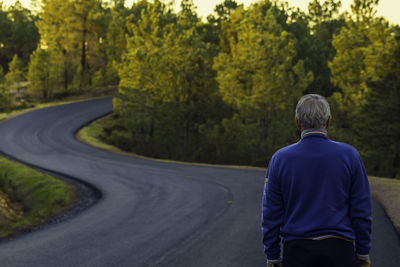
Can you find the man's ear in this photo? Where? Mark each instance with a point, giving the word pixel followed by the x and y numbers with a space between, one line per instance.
pixel 297 123
pixel 328 123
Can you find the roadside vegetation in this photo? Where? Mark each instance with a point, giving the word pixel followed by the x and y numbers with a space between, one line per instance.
pixel 223 90
pixel 93 134
pixel 385 190
pixel 33 77
pixel 29 198
pixel 218 90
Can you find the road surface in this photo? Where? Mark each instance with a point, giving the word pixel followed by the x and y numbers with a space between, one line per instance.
pixel 150 213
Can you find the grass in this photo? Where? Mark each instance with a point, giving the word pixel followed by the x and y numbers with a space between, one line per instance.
pixel 385 190
pixel 91 134
pixel 29 198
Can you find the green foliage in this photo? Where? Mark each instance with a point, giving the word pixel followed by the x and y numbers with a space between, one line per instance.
pixel 16 72
pixel 41 195
pixel 378 131
pixel 260 70
pixel 217 90
pixel 77 29
pixel 365 68
pixel 45 74
pixel 363 50
pixel 167 80
pixel 4 98
pixel 324 23
pixel 1 75
pixel 18 34
pixel 261 77
pixel 115 43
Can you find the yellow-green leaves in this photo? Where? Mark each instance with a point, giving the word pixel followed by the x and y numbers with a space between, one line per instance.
pixel 260 68
pixel 364 52
pixel 45 74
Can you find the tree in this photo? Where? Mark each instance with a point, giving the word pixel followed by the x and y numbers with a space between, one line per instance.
pixel 16 72
pixel 365 68
pixel 167 81
pixel 18 34
pixel 260 77
pixel 5 33
pixel 75 28
pixel 349 72
pixel 1 75
pixel 324 22
pixel 4 97
pixel 85 16
pixel 225 90
pixel 115 43
pixel 363 49
pixel 381 108
pixel 378 126
pixel 45 73
pixel 13 80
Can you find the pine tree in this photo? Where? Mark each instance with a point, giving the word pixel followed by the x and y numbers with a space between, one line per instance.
pixel 349 70
pixel 364 48
pixel 166 80
pixel 18 34
pixel 45 74
pixel 261 78
pixel 16 72
pixel 74 28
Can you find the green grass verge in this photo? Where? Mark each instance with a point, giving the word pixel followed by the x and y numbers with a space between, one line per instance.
pixel 31 198
pixel 385 190
pixel 91 134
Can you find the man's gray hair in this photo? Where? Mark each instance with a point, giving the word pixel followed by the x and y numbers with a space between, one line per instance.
pixel 312 111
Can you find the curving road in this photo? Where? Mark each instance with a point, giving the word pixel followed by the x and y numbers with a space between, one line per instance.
pixel 150 213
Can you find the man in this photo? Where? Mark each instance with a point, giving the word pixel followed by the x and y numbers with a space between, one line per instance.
pixel 316 198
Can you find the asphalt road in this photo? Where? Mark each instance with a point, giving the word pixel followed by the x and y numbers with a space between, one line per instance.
pixel 150 213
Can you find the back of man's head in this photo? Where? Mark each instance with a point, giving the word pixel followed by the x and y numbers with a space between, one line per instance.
pixel 312 112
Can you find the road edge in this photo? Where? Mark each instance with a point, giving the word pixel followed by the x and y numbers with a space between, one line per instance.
pixel 377 194
pixel 86 195
pixel 113 149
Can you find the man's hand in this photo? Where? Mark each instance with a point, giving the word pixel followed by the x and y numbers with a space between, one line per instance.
pixel 274 263
pixel 363 261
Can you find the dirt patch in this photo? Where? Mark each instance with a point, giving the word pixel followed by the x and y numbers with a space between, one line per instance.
pixel 387 192
pixel 9 212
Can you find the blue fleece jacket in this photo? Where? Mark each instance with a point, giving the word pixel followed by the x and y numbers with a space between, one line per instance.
pixel 316 187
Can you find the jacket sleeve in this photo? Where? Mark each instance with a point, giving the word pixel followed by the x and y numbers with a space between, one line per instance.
pixel 360 207
pixel 272 213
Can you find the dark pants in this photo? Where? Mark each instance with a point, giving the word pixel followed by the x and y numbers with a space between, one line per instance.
pixel 330 252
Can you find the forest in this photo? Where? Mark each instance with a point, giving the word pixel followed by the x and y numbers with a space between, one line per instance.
pixel 221 89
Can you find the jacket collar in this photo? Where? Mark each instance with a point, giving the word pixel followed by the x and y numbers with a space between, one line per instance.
pixel 308 132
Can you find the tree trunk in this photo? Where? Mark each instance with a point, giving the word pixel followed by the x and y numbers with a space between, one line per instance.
pixel 83 54
pixel 64 52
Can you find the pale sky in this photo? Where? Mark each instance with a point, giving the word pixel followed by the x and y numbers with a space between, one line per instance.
pixel 387 8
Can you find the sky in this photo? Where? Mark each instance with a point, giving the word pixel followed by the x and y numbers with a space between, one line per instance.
pixel 387 8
